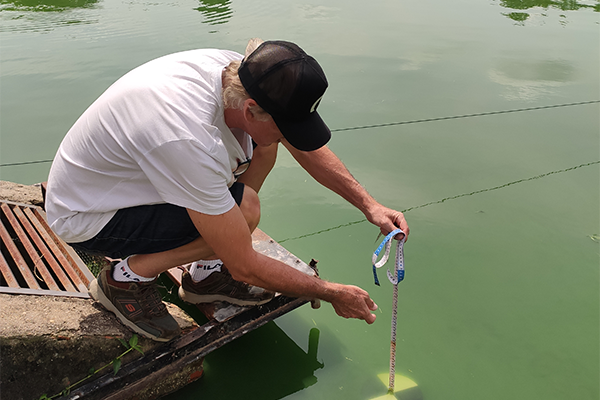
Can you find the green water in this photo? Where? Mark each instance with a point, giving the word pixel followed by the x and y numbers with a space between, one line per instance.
pixel 501 296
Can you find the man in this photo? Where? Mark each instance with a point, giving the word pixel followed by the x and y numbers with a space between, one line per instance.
pixel 157 172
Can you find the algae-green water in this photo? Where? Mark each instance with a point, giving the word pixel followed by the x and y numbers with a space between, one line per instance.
pixel 480 118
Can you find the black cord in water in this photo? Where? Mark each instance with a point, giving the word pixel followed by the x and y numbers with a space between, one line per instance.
pixel 25 163
pixel 416 121
pixel 446 199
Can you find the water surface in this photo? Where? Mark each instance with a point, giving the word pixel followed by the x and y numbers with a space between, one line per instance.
pixel 501 293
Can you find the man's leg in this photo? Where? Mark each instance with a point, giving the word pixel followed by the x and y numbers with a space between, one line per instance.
pixel 138 304
pixel 151 265
pixel 208 280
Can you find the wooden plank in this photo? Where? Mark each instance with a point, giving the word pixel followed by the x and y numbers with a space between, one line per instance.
pixel 9 277
pixel 34 255
pixel 17 258
pixel 59 248
pixel 34 234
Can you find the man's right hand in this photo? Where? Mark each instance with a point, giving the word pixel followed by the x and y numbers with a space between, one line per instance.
pixel 353 302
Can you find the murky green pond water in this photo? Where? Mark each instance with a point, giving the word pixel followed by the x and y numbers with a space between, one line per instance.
pixel 501 296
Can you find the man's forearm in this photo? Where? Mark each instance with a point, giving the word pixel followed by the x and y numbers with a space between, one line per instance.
pixel 327 169
pixel 347 300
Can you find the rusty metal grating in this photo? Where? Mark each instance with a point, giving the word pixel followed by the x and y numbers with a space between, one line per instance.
pixel 33 259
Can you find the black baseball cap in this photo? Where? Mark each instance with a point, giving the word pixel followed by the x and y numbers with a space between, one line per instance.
pixel 288 84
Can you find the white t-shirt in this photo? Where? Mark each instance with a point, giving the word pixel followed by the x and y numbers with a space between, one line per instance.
pixel 157 135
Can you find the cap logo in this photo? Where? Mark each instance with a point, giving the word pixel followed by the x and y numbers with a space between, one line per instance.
pixel 314 106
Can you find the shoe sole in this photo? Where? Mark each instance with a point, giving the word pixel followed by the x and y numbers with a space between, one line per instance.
pixel 98 295
pixel 211 298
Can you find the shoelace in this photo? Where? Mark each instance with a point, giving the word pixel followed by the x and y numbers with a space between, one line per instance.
pixel 151 300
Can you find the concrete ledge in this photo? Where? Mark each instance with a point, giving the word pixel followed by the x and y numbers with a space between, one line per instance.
pixel 26 194
pixel 47 343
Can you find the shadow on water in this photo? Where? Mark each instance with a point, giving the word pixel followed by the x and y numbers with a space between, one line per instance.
pixel 215 12
pixel 264 364
pixel 564 5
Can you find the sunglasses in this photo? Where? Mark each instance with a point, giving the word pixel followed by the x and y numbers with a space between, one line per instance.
pixel 241 168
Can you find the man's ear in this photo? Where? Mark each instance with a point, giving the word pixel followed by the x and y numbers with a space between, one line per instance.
pixel 248 114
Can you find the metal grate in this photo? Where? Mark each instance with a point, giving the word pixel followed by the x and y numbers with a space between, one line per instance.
pixel 33 259
pixel 95 263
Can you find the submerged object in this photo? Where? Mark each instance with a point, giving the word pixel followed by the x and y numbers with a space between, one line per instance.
pixel 404 389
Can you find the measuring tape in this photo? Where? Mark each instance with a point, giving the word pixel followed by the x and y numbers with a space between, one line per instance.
pixel 398 276
pixel 394 278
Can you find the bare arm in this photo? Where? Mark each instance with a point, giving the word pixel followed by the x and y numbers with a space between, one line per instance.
pixel 229 236
pixel 263 161
pixel 328 170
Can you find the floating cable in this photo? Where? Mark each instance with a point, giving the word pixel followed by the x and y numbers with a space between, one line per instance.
pixel 416 121
pixel 25 163
pixel 446 199
pixel 503 186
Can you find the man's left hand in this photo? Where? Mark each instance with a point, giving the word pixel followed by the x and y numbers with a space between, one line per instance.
pixel 388 220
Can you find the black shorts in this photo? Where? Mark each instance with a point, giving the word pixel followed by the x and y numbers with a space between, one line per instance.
pixel 147 229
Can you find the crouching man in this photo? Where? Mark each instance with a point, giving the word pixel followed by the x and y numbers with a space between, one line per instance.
pixel 164 169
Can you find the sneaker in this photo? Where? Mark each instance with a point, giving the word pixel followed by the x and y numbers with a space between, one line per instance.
pixel 138 305
pixel 220 286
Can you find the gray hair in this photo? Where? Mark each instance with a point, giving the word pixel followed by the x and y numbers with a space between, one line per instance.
pixel 234 93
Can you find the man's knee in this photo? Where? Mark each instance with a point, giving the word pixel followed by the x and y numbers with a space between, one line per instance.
pixel 251 207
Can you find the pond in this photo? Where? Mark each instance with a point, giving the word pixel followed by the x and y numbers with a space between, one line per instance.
pixel 479 119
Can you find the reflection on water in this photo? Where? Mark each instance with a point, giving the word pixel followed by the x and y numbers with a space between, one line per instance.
pixel 316 12
pixel 530 80
pixel 42 15
pixel 215 12
pixel 45 5
pixel 564 5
